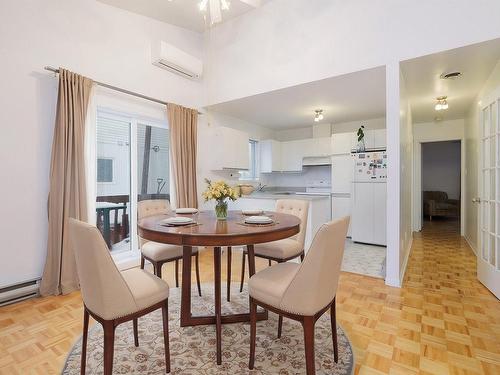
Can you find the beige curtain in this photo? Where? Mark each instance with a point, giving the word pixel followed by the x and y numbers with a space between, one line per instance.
pixel 183 128
pixel 67 194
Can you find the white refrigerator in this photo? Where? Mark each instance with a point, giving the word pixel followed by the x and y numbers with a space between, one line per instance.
pixel 342 177
pixel 369 204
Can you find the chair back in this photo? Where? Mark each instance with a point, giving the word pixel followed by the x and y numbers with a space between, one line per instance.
pixel 299 208
pixel 151 207
pixel 315 284
pixel 104 290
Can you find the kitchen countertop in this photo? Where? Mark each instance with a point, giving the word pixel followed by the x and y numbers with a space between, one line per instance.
pixel 271 195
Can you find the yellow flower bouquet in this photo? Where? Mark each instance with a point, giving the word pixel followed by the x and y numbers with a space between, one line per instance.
pixel 221 192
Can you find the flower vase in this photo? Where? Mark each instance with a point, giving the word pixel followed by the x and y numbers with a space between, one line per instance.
pixel 221 210
pixel 361 145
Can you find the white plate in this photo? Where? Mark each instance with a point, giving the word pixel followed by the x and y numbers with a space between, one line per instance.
pixel 252 212
pixel 178 220
pixel 258 220
pixel 186 210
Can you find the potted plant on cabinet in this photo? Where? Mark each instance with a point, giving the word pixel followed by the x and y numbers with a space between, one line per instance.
pixel 361 139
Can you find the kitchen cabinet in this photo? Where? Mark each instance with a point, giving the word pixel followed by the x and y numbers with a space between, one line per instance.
pixel 343 143
pixel 230 149
pixel 317 147
pixel 375 139
pixel 292 153
pixel 270 156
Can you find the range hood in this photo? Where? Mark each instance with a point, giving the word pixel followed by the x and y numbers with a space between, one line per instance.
pixel 316 160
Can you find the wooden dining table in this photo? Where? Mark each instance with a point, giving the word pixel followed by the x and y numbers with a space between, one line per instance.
pixel 210 232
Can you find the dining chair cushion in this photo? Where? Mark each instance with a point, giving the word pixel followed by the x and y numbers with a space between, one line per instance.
pixel 105 290
pixel 146 288
pixel 299 208
pixel 159 252
pixel 152 207
pixel 281 249
pixel 269 285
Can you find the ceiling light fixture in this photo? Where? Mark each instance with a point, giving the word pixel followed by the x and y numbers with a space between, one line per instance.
pixel 441 104
pixel 451 75
pixel 319 115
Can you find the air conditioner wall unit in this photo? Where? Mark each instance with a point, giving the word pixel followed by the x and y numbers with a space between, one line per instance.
pixel 169 57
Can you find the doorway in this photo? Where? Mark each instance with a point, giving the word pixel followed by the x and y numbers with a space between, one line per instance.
pixel 441 182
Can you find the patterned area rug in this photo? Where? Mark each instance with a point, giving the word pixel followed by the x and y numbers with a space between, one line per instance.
pixel 192 349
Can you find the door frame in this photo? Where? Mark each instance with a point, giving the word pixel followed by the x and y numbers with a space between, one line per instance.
pixel 417 180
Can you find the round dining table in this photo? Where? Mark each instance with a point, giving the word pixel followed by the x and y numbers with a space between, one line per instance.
pixel 207 231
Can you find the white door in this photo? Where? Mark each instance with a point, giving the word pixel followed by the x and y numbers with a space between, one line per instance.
pixel 488 262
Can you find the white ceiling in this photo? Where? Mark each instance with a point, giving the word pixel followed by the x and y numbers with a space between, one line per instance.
pixel 183 13
pixel 423 84
pixel 350 97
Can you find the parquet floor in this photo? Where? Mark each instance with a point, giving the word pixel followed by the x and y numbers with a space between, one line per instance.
pixel 443 321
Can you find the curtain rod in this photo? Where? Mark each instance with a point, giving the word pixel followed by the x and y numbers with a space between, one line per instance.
pixel 55 70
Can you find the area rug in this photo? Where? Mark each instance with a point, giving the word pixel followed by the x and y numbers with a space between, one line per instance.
pixel 192 349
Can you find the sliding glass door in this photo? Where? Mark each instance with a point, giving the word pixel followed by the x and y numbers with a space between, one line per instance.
pixel 132 164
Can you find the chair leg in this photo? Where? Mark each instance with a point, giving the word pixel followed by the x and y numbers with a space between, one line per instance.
pixel 177 273
pixel 164 311
pixel 142 262
pixel 197 262
pixel 109 346
pixel 84 340
pixel 253 332
pixel 280 325
pixel 242 271
pixel 269 261
pixel 229 261
pixel 333 319
pixel 136 333
pixel 158 269
pixel 302 257
pixel 308 325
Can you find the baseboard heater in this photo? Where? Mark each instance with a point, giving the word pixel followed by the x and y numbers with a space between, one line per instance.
pixel 19 292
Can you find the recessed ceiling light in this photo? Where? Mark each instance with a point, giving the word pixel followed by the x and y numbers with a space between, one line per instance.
pixel 451 75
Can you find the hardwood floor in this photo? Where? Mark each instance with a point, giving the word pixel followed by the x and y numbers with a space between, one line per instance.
pixel 443 321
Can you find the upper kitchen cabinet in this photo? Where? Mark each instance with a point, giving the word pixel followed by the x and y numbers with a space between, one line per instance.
pixel 343 143
pixel 270 156
pixel 375 139
pixel 317 147
pixel 230 149
pixel 292 153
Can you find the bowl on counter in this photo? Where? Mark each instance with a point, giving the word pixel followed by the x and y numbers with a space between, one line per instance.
pixel 246 189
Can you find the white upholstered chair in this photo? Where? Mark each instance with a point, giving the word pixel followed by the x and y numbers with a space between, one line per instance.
pixel 282 250
pixel 113 297
pixel 303 292
pixel 159 253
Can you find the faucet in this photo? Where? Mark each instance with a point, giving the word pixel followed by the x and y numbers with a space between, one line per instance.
pixel 261 187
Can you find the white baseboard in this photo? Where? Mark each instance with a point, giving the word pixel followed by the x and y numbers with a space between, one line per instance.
pixel 405 261
pixel 469 242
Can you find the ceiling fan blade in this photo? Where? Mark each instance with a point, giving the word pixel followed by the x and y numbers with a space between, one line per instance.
pixel 253 3
pixel 215 12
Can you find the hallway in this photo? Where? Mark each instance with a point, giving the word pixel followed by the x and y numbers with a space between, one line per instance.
pixel 443 321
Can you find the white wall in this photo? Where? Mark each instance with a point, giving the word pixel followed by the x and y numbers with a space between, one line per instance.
pixel 289 42
pixel 87 37
pixel 438 131
pixel 472 135
pixel 406 179
pixel 352 126
pixel 441 167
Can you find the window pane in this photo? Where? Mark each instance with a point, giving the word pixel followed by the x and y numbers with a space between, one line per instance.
pixel 113 181
pixel 104 170
pixel 153 176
